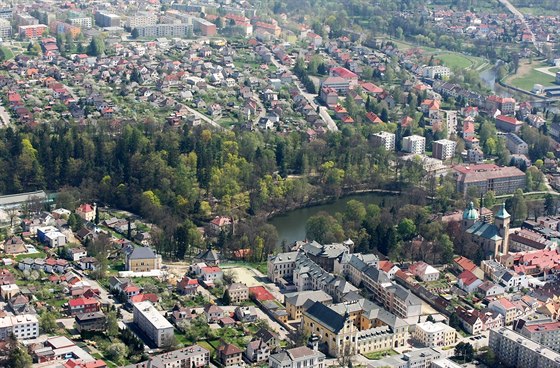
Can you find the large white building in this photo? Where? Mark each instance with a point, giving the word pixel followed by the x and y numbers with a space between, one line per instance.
pixel 443 149
pixel 297 357
pixel 384 139
pixel 155 326
pixel 281 266
pixel 436 334
pixel 515 350
pixel 141 19
pixel 25 326
pixel 165 30
pixel 5 28
pixel 82 22
pixel 437 71
pixel 414 144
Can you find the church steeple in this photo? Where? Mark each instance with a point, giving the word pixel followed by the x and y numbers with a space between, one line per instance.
pixel 502 222
pixel 470 216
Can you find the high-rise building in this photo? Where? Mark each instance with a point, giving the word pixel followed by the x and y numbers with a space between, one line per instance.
pixel 103 19
pixel 384 139
pixel 153 323
pixel 5 28
pixel 443 149
pixel 165 30
pixel 141 20
pixel 82 22
pixel 414 144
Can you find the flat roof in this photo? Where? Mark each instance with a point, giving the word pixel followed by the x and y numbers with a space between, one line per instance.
pixel 149 312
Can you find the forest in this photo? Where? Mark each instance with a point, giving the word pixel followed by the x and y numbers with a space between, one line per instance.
pixel 181 178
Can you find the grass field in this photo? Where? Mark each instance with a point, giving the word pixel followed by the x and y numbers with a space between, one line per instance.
pixel 528 79
pixel 380 354
pixel 454 60
pixel 9 53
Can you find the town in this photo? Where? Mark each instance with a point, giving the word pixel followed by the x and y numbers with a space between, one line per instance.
pixel 277 184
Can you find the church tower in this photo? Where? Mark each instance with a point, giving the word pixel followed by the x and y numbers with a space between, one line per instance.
pixel 502 220
pixel 470 216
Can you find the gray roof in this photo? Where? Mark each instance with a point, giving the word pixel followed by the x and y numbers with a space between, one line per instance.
pixel 209 255
pixel 485 230
pixel 326 316
pixel 283 257
pixel 300 298
pixel 15 199
pixel 376 275
pixel 142 253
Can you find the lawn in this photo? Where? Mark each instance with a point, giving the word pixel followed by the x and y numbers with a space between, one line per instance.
pixel 380 354
pixel 453 60
pixel 8 52
pixel 206 346
pixel 529 79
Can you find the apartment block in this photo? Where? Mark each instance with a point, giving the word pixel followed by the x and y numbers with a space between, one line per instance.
pixel 485 177
pixel 443 149
pixel 103 19
pixel 155 326
pixel 515 350
pixel 82 22
pixel 141 20
pixel 193 356
pixel 437 334
pixel 516 145
pixel 544 333
pixel 22 19
pixel 25 326
pixel 414 144
pixel 32 31
pixel 384 139
pixel 204 27
pixel 5 28
pixel 165 30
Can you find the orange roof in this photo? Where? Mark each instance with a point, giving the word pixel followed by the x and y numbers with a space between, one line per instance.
pixel 465 263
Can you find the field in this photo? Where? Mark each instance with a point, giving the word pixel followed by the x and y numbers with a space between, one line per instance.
pixel 9 53
pixel 454 60
pixel 528 75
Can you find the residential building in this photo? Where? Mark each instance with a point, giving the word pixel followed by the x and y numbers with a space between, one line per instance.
pixel 490 289
pixel 468 282
pixel 443 149
pixel 103 19
pixel 210 257
pixel 357 327
pixel 238 293
pixel 281 266
pixel 546 333
pixel 229 355
pixel 414 144
pixel 83 305
pixel 152 323
pixel 211 274
pixel 475 321
pixel 508 123
pixel 87 211
pixel 32 31
pixel 328 96
pixel 142 259
pixel 486 177
pixel 437 334
pixel 165 30
pixel 516 145
pixel 297 303
pixel 6 13
pixel 302 356
pixel 424 271
pixel 82 22
pixel 8 291
pixel 96 321
pixel 5 28
pixel 193 356
pixel 141 19
pixel 437 71
pixel 257 351
pixel 418 358
pixel 187 286
pixel 506 105
pixel 23 19
pixel 203 27
pixel 246 314
pixel 14 245
pixel 515 350
pixel 213 313
pixel 23 327
pixel 506 308
pixel 51 236
pixel 385 140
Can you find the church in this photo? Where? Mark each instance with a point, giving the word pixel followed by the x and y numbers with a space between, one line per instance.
pixel 492 237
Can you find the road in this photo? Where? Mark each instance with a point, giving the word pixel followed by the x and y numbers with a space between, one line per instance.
pixel 323 112
pixel 204 118
pixel 4 117
pixel 521 17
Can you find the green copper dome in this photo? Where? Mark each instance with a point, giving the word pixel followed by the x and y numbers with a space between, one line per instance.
pixel 470 213
pixel 502 213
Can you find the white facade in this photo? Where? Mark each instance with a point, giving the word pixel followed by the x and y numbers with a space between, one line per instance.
pixel 281 266
pixel 435 334
pixel 141 20
pixel 153 323
pixel 385 139
pixel 84 22
pixel 443 149
pixel 165 30
pixel 25 326
pixel 439 71
pixel 297 358
pixel 414 144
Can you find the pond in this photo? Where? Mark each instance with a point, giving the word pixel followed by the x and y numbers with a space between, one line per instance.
pixel 291 226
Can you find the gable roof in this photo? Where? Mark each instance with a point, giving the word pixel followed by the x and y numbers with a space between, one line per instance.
pixel 142 253
pixel 326 316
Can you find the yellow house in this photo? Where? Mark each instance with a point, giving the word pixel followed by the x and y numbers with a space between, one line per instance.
pixel 357 327
pixel 142 259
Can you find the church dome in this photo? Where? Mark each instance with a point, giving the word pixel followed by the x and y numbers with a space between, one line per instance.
pixel 502 213
pixel 470 213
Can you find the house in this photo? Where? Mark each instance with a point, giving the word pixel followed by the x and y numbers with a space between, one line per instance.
pixel 20 304
pixel 88 263
pixel 179 314
pixel 75 254
pixel 86 211
pixel 8 291
pixel 468 282
pixel 210 257
pixel 508 124
pixel 489 289
pixel 142 259
pixel 229 355
pixel 462 263
pixel 83 305
pixel 257 351
pixel 271 339
pixel 246 314
pixel 187 286
pixel 298 357
pixel 424 271
pixel 210 274
pixel 14 245
pixel 213 313
pixel 238 293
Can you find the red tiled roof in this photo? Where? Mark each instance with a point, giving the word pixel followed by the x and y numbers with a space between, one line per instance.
pixel 81 301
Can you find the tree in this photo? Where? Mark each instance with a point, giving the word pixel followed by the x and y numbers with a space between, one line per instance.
pixel 19 358
pixel 406 229
pixel 96 47
pixel 47 322
pixel 324 229
pixel 549 205
pixel 112 329
pixel 116 352
pixel 489 199
pixel 430 318
pixel 465 350
pixel 135 33
pixel 226 299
